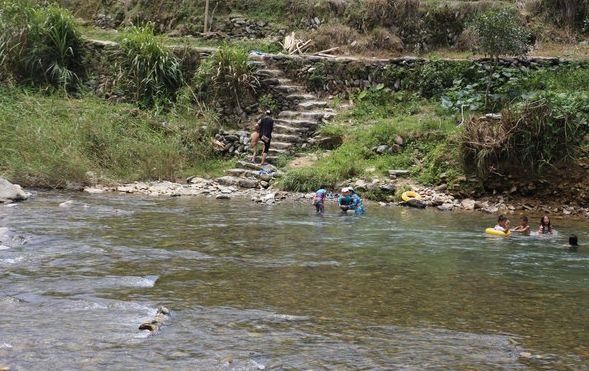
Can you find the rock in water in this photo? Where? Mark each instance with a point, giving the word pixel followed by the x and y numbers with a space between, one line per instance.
pixel 11 192
pixel 157 322
pixel 414 203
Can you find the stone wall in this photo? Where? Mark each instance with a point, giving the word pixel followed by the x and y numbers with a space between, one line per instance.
pixel 343 75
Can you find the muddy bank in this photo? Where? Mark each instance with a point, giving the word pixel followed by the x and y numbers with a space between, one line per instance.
pixel 431 198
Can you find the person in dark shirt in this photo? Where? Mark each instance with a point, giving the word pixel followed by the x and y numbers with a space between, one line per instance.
pixel 266 126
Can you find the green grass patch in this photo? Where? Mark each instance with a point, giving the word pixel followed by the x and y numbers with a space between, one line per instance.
pixel 429 149
pixel 49 141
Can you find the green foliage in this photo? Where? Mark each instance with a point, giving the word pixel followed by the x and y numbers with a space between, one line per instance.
pixel 267 102
pixel 501 33
pixel 226 77
pixel 570 13
pixel 424 152
pixel 39 44
pixel 542 130
pixel 148 70
pixel 52 142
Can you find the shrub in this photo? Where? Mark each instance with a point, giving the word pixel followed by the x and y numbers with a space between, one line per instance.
pixel 384 39
pixel 226 77
pixel 543 130
pixel 569 13
pixel 333 35
pixel 148 70
pixel 501 33
pixel 39 44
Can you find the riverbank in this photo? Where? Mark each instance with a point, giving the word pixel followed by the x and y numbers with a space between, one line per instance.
pixel 432 198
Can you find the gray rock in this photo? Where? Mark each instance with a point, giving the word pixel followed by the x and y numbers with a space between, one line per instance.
pixel 11 192
pixel 398 173
pixel 223 197
pixel 360 185
pixel 468 204
pixel 383 148
pixel 446 207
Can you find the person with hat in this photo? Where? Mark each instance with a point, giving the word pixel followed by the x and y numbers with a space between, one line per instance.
pixel 264 129
pixel 350 200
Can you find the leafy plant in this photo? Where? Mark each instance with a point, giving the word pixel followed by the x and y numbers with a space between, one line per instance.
pixel 148 70
pixel 39 44
pixel 226 77
pixel 501 33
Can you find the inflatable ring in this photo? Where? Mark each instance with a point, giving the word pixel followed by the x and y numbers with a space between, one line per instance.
pixel 408 195
pixel 494 232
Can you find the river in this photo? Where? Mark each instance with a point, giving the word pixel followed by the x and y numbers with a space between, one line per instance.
pixel 276 287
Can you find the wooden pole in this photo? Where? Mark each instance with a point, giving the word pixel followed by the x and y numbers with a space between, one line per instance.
pixel 206 16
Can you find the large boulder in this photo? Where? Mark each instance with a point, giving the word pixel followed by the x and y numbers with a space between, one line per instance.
pixel 11 192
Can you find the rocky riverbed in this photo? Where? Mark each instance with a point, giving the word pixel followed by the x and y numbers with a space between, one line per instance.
pixel 431 197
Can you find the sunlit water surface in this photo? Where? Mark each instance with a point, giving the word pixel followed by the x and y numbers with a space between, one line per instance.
pixel 259 287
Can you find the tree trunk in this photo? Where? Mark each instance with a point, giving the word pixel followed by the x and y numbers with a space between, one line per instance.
pixel 206 16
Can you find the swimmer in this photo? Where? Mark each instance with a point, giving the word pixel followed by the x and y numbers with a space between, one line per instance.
pixel 523 227
pixel 573 243
pixel 545 226
pixel 502 224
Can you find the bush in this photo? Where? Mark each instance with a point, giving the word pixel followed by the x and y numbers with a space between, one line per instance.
pixel 226 78
pixel 332 35
pixel 148 70
pixel 39 44
pixel 543 130
pixel 501 33
pixel 569 13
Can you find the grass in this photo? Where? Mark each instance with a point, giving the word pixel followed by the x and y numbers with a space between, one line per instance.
pixel 50 141
pixel 430 149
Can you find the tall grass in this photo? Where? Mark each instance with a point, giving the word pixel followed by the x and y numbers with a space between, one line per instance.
pixel 226 77
pixel 39 44
pixel 52 142
pixel 149 71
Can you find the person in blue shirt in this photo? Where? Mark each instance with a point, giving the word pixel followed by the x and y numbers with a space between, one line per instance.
pixel 349 200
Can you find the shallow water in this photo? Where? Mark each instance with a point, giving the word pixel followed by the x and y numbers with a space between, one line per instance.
pixel 254 287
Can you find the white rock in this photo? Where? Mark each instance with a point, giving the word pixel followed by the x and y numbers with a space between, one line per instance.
pixel 446 207
pixel 66 203
pixel 468 204
pixel 94 190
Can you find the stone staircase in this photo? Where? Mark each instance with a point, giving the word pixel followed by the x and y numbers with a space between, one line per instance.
pixel 293 126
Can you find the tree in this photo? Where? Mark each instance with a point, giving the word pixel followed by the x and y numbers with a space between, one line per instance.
pixel 206 16
pixel 501 33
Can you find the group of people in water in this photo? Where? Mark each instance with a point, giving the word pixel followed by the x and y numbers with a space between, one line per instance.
pixel 504 225
pixel 545 228
pixel 348 200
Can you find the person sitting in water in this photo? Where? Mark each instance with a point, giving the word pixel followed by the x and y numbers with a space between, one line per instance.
pixel 349 200
pixel 502 224
pixel 573 242
pixel 319 200
pixel 545 226
pixel 524 227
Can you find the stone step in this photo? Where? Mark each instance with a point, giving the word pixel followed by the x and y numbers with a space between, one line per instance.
pixel 299 96
pixel 247 173
pixel 290 130
pixel 280 145
pixel 229 180
pixel 278 151
pixel 269 73
pixel 303 115
pixel 289 138
pixel 288 89
pixel 296 122
pixel 256 63
pixel 311 104
pixel 249 165
pixel 277 81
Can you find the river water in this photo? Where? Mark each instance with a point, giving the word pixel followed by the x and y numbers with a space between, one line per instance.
pixel 262 287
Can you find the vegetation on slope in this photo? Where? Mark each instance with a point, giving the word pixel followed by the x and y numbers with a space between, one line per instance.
pixel 52 141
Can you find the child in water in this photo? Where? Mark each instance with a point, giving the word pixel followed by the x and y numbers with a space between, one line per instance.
pixel 545 226
pixel 502 224
pixel 319 200
pixel 524 227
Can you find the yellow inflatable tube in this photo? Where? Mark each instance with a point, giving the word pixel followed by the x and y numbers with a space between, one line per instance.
pixel 408 195
pixel 494 232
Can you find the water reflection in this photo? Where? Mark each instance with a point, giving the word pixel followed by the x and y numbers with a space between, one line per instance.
pixel 253 287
